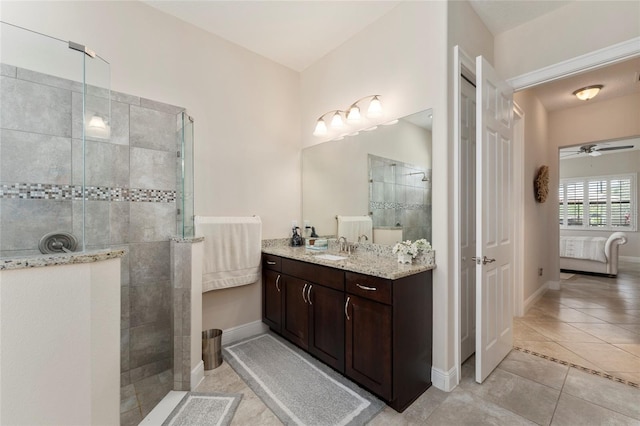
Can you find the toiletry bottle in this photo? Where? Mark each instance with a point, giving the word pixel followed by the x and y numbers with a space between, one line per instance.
pixel 296 239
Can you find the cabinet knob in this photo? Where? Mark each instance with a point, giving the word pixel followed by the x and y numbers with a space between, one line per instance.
pixel 303 290
pixel 269 262
pixel 346 308
pixel 278 283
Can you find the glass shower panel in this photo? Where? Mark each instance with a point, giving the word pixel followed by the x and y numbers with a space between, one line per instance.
pixel 102 169
pixel 47 89
pixel 38 76
pixel 184 184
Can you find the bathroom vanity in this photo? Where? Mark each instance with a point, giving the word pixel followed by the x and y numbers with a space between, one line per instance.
pixel 365 315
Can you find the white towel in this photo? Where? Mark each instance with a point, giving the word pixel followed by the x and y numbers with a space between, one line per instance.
pixel 232 247
pixel 352 227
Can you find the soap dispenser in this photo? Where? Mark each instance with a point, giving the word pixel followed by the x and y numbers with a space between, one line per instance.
pixel 296 238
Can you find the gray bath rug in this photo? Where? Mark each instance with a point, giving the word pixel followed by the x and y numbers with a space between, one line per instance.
pixel 197 408
pixel 299 389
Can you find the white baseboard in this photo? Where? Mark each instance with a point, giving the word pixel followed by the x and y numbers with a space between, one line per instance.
pixel 444 380
pixel 553 285
pixel 243 331
pixel 197 375
pixel 531 300
pixel 632 259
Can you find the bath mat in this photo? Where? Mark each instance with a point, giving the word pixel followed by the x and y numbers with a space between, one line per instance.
pixel 197 408
pixel 298 388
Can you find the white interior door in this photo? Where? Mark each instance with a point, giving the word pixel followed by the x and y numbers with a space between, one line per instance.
pixel 467 172
pixel 494 229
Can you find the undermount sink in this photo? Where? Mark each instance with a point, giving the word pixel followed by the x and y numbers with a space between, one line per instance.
pixel 330 257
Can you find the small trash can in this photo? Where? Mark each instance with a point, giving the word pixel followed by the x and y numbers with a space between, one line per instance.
pixel 211 348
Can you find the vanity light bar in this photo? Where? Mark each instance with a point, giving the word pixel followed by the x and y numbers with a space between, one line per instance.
pixel 351 114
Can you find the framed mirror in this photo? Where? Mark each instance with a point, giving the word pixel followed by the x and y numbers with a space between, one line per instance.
pixel 384 173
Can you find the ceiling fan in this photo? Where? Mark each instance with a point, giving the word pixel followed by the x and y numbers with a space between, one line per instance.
pixel 593 150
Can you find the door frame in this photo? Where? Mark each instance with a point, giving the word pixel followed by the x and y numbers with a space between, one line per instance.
pixel 463 64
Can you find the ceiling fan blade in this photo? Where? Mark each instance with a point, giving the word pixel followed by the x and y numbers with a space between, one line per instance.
pixel 568 154
pixel 613 148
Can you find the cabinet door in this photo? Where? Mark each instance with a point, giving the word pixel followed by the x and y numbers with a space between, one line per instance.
pixel 368 344
pixel 326 327
pixel 296 311
pixel 272 300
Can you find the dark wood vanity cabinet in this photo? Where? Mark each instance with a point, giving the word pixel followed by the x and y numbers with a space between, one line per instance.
pixel 389 335
pixel 323 292
pixel 376 331
pixel 272 292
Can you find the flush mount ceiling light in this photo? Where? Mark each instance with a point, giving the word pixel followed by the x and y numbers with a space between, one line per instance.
pixel 589 92
pixel 352 115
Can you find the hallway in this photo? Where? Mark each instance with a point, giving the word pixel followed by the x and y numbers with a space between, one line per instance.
pixel 592 321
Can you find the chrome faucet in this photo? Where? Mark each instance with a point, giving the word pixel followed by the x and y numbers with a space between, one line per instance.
pixel 363 236
pixel 342 241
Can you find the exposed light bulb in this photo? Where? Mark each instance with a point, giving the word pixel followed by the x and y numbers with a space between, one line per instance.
pixel 375 108
pixel 336 121
pixel 321 128
pixel 354 113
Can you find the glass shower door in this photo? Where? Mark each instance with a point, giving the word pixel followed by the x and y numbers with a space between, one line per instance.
pixel 184 184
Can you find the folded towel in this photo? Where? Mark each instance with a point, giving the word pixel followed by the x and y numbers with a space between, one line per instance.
pixel 232 249
pixel 352 227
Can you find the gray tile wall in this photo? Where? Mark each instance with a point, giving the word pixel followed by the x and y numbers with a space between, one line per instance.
pixel 181 279
pixel 397 198
pixel 133 179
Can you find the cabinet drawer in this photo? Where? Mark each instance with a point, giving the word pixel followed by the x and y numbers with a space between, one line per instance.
pixel 373 288
pixel 323 275
pixel 270 261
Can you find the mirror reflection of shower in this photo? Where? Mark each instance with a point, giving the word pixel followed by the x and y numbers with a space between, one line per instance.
pixel 424 176
pixel 400 197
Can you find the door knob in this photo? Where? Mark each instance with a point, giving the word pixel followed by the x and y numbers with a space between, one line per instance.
pixel 482 261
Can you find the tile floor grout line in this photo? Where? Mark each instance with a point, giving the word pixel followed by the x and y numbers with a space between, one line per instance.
pixel 564 382
pixel 579 367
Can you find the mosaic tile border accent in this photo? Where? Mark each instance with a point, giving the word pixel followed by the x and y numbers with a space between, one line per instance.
pixel 41 191
pixel 384 205
pixel 579 367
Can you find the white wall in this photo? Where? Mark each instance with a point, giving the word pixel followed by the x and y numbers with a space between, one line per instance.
pixel 573 30
pixel 537 216
pixel 60 357
pixel 246 110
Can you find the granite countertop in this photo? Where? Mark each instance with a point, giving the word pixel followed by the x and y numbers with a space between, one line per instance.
pixel 41 260
pixel 366 259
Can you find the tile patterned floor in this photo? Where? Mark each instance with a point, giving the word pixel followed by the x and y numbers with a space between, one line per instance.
pixel 592 321
pixel 523 390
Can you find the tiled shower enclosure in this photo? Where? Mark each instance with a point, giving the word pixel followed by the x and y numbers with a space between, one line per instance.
pixel 131 203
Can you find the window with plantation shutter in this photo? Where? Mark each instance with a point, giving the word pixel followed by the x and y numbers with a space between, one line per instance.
pixel 621 206
pixel 598 203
